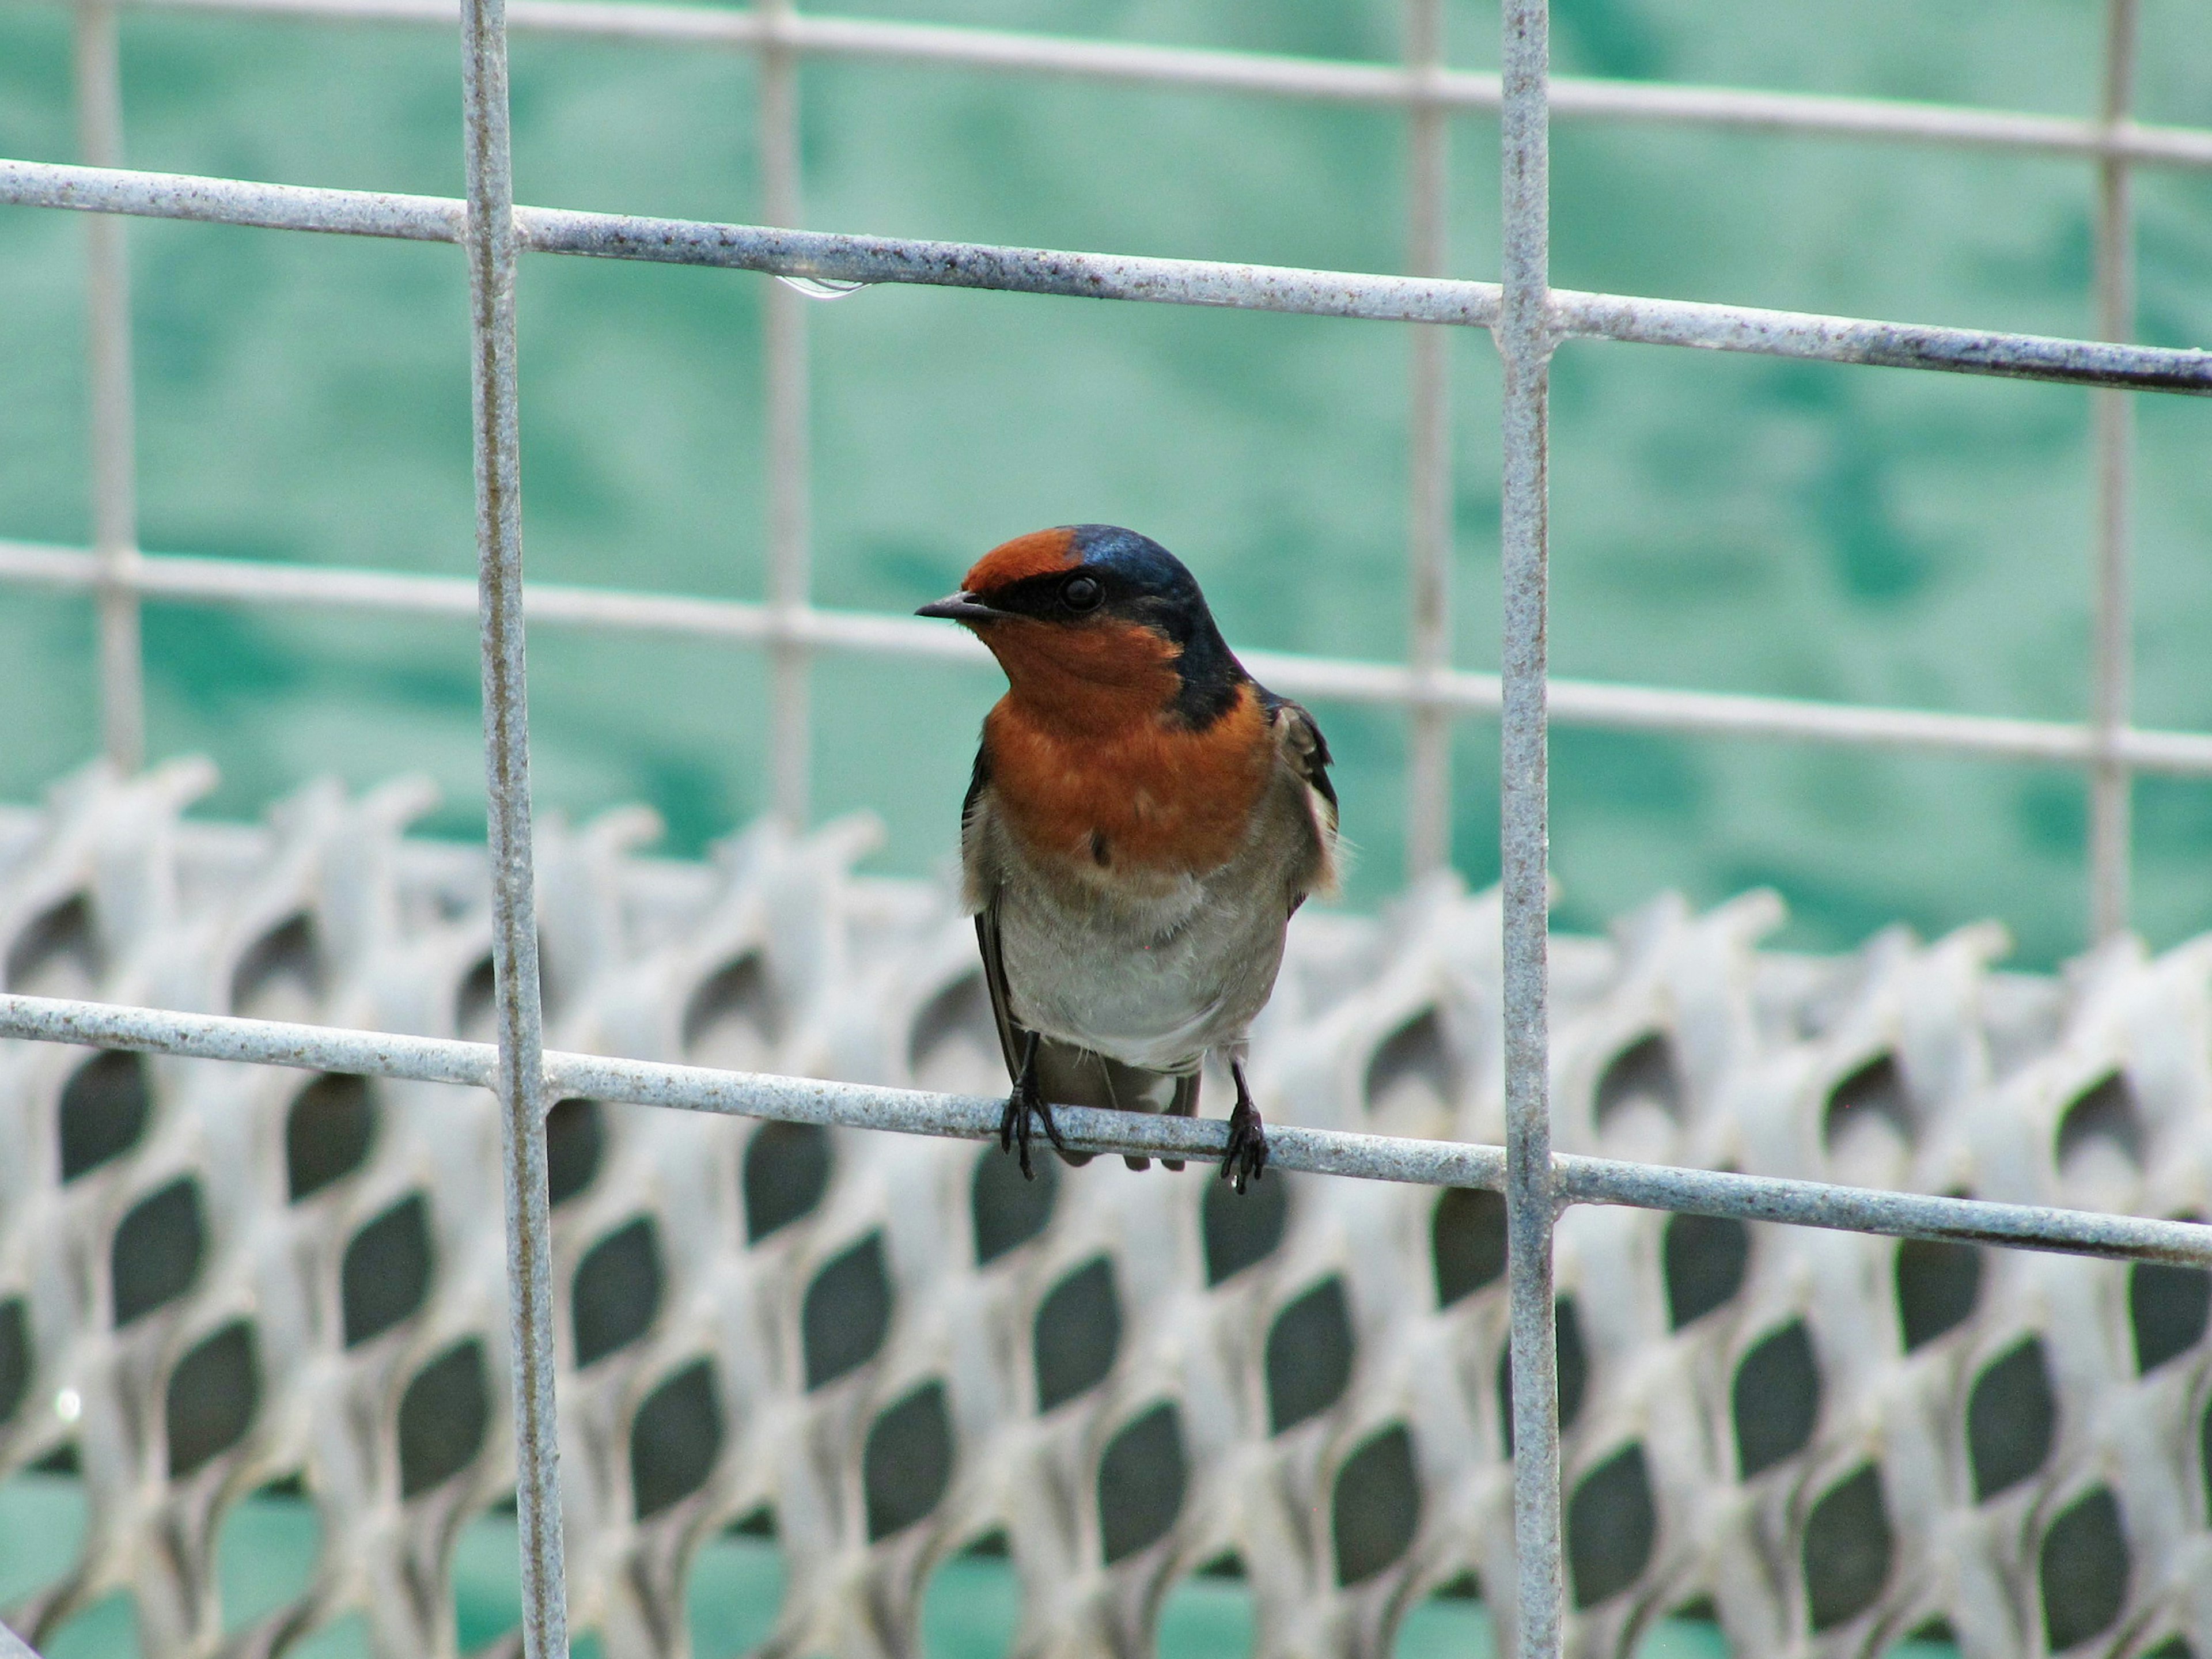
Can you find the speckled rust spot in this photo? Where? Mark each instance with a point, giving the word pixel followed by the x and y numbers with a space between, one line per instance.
pixel 1040 553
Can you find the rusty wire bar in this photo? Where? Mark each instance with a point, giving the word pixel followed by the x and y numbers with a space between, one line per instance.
pixel 1524 336
pixel 1428 459
pixel 789 451
pixel 492 247
pixel 114 442
pixel 2111 784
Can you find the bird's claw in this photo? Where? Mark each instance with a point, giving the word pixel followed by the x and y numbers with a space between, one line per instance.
pixel 1026 1101
pixel 1246 1160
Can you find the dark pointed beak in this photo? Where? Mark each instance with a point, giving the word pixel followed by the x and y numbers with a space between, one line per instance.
pixel 961 607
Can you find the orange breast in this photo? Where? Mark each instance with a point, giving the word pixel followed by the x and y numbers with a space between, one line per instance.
pixel 1141 793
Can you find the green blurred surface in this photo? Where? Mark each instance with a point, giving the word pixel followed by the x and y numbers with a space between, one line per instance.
pixel 1725 522
pixel 970 1611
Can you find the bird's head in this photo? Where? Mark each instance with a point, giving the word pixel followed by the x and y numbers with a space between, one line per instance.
pixel 1092 624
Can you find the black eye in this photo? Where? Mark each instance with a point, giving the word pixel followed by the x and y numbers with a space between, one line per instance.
pixel 1081 593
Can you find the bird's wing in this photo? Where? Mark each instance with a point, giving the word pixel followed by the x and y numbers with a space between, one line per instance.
pixel 1010 1036
pixel 1305 749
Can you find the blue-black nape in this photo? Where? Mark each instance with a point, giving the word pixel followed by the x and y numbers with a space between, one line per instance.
pixel 1145 582
pixel 1135 565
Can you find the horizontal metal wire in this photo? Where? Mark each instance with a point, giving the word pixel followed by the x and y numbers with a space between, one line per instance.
pixel 1113 277
pixel 1320 80
pixel 1578 1179
pixel 1574 702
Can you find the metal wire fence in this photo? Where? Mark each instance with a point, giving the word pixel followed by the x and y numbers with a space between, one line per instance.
pixel 1527 318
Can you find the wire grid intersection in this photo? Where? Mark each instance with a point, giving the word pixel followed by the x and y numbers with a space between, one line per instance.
pixel 1529 318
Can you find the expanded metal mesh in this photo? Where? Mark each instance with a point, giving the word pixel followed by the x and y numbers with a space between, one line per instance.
pixel 213 1277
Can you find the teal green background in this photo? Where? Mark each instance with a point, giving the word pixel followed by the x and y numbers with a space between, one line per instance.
pixel 1732 523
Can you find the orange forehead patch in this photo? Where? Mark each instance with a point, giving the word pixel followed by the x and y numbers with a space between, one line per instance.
pixel 1040 553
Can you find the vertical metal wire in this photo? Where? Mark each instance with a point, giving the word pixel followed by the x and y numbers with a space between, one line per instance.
pixel 790 457
pixel 1524 341
pixel 114 441
pixel 1429 472
pixel 2111 785
pixel 491 252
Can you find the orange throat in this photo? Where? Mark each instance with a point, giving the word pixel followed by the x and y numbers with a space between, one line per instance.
pixel 1097 771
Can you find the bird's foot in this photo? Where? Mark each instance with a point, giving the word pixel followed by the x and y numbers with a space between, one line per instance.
pixel 1247 1156
pixel 1025 1101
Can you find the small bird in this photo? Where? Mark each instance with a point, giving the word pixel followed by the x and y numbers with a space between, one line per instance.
pixel 1143 820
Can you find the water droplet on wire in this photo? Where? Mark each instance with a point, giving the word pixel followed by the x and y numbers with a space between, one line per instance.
pixel 821 288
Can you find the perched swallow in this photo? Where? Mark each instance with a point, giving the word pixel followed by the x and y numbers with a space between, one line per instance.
pixel 1143 820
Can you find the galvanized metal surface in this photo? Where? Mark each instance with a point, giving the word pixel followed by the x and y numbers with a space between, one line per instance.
pixel 1461 91
pixel 1577 702
pixel 866 259
pixel 492 246
pixel 1908 1066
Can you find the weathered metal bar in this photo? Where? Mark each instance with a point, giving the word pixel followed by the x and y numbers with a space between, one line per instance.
pixel 1461 692
pixel 1524 338
pixel 493 247
pixel 13 1646
pixel 1575 1180
pixel 1428 465
pixel 114 433
pixel 789 452
pixel 1385 85
pixel 2111 784
pixel 1287 290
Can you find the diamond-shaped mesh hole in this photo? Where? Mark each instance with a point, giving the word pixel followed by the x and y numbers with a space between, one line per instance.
pixel 1309 1356
pixel 327 1133
pixel 576 1140
pixel 1776 1399
pixel 1416 1054
pixel 2169 1308
pixel 1467 1241
pixel 1706 1256
pixel 212 1396
pixel 1611 1528
pixel 442 1418
pixel 385 1275
pixel 58 954
pixel 733 1017
pixel 2011 1418
pixel 907 1465
pixel 104 1108
pixel 1937 1285
pixel 846 1313
pixel 675 1439
pixel 1573 1363
pixel 1240 1231
pixel 2083 1571
pixel 1140 1484
pixel 1078 1334
pixel 14 1356
pixel 156 1254
pixel 1848 1545
pixel 787 1172
pixel 1376 1509
pixel 2106 1112
pixel 1008 1210
pixel 961 1009
pixel 617 1294
pixel 474 1001
pixel 1874 1092
pixel 1644 1070
pixel 284 966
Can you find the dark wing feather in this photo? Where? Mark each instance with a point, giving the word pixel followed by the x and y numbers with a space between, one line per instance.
pixel 1010 1036
pixel 1308 750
